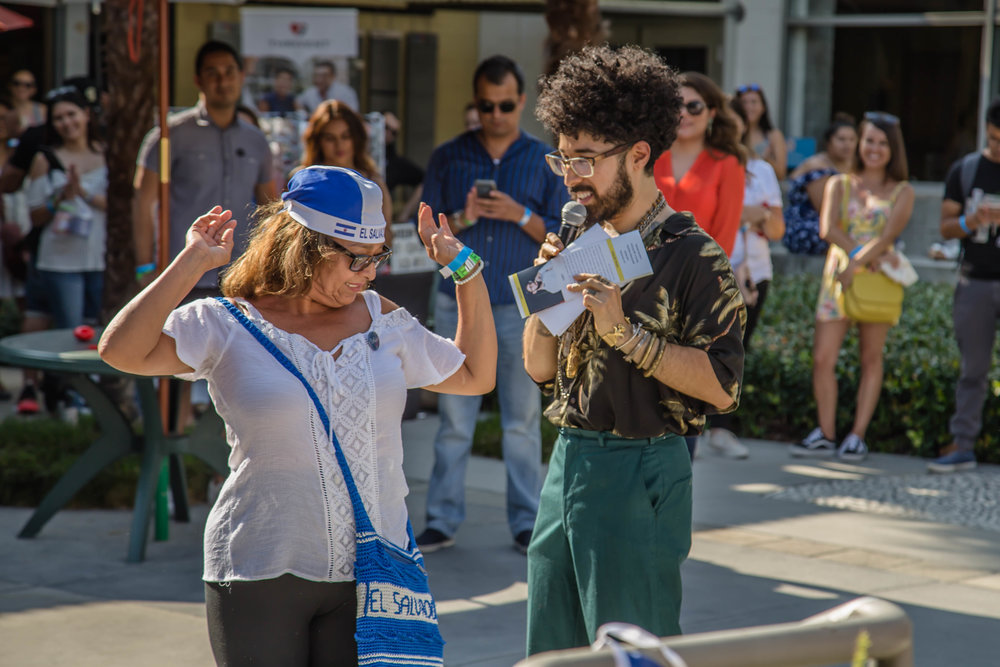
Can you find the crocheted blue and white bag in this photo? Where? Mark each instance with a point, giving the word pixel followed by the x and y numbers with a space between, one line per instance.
pixel 396 617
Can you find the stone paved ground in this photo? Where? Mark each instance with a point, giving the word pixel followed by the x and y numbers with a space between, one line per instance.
pixel 968 499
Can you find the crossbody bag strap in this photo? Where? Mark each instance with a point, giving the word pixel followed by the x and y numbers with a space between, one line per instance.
pixel 361 521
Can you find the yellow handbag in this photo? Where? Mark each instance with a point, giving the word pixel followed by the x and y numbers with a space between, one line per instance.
pixel 873 297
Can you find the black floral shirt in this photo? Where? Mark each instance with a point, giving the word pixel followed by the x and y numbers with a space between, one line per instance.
pixel 691 299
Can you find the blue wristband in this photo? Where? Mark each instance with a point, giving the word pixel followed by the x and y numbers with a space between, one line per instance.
pixel 526 218
pixel 854 251
pixel 456 263
pixel 961 223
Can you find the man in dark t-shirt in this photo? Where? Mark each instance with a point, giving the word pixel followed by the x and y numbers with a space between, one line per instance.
pixel 969 213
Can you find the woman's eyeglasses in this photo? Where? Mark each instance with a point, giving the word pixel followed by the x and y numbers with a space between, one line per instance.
pixel 694 107
pixel 362 262
pixel 881 117
pixel 748 87
pixel 487 107
pixel 581 166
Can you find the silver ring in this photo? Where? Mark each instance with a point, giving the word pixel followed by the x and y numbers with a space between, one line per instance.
pixel 589 291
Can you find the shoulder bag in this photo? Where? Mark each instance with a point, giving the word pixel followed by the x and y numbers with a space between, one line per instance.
pixel 396 615
pixel 873 297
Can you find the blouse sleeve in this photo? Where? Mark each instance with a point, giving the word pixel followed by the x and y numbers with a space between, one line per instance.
pixel 726 222
pixel 200 334
pixel 427 358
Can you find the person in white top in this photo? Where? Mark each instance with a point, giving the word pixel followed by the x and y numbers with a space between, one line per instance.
pixel 761 222
pixel 326 87
pixel 279 542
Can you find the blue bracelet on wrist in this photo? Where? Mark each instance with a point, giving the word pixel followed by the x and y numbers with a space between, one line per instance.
pixel 854 251
pixel 961 223
pixel 456 263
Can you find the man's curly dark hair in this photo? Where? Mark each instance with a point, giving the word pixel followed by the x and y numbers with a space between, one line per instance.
pixel 617 95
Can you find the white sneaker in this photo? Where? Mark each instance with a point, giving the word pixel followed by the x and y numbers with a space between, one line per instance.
pixel 724 443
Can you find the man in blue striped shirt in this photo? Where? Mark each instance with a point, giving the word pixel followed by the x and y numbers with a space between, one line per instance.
pixel 505 229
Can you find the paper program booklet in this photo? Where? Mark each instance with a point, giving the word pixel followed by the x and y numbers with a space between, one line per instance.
pixel 542 289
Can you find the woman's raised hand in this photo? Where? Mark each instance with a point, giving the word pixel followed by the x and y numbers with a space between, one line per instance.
pixel 439 241
pixel 212 235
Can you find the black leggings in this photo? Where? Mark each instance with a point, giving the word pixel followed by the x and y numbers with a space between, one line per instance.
pixel 284 621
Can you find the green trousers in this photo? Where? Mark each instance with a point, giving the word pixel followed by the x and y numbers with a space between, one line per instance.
pixel 613 527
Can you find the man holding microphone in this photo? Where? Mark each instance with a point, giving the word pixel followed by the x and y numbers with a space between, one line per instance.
pixel 640 368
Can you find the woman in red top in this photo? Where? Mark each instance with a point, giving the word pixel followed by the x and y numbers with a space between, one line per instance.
pixel 703 172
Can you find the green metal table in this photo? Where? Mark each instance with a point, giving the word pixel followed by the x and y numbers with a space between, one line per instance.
pixel 59 351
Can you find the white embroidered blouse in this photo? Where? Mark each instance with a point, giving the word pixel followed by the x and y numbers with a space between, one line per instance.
pixel 284 507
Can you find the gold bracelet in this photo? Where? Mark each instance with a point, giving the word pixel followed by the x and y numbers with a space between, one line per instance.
pixel 653 345
pixel 616 334
pixel 656 360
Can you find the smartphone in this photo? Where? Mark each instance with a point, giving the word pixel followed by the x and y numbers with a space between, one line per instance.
pixel 484 186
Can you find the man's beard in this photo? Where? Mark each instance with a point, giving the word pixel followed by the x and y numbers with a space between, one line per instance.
pixel 613 202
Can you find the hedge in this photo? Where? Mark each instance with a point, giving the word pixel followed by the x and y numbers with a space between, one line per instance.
pixel 36 451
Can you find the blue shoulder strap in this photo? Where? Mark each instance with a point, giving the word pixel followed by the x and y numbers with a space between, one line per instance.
pixel 361 520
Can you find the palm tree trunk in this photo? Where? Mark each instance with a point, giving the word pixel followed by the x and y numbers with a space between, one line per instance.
pixel 129 114
pixel 572 25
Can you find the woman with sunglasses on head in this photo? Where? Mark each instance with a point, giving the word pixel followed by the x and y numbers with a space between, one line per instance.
pixel 22 91
pixel 805 196
pixel 336 136
pixel 280 542
pixel 761 135
pixel 703 171
pixel 864 212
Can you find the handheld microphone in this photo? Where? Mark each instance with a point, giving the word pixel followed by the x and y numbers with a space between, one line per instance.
pixel 574 214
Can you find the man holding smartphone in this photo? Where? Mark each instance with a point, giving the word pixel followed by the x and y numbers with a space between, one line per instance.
pixel 969 213
pixel 501 199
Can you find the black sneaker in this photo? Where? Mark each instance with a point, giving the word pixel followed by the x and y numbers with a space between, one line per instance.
pixel 853 449
pixel 813 445
pixel 522 540
pixel 432 540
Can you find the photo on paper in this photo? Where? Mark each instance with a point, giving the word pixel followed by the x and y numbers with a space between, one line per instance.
pixel 539 287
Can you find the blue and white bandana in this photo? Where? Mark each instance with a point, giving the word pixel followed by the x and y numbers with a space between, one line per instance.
pixel 337 202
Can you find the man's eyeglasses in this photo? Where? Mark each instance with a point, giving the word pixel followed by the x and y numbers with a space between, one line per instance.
pixel 21 83
pixel 361 262
pixel 487 107
pixel 748 87
pixel 881 117
pixel 581 166
pixel 694 107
